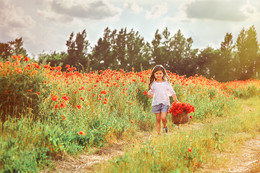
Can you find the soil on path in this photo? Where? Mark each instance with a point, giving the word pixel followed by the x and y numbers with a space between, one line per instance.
pixel 85 162
pixel 245 160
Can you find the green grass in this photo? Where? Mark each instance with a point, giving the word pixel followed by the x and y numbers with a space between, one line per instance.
pixel 169 153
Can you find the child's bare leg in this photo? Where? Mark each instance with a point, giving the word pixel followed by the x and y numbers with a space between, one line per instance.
pixel 164 118
pixel 158 122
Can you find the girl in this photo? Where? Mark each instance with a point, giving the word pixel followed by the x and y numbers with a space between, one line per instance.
pixel 160 89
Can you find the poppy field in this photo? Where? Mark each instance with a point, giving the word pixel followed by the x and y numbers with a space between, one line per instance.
pixel 47 112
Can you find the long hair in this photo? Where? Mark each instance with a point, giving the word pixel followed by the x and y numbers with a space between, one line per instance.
pixel 155 69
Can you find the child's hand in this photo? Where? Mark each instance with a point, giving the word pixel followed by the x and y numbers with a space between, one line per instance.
pixel 149 95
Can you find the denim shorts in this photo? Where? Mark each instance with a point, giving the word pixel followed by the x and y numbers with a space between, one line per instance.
pixel 160 108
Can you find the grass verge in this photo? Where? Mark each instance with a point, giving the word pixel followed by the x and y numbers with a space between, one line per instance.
pixel 187 149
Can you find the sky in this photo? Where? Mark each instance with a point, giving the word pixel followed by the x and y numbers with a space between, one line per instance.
pixel 45 25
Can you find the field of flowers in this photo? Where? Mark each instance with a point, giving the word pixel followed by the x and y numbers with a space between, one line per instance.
pixel 49 111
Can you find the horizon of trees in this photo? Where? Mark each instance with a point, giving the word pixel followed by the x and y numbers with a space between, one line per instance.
pixel 125 50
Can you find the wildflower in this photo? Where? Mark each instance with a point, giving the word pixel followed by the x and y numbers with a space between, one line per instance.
pixel 59 68
pixel 82 88
pixel 189 149
pixel 145 92
pixel 104 102
pixel 66 98
pixel 191 117
pixel 54 98
pixel 19 70
pixel 38 93
pixel 103 92
pixel 20 57
pixel 26 59
pixel 132 122
pixel 63 105
pixel 81 133
pixel 56 106
pixel 79 106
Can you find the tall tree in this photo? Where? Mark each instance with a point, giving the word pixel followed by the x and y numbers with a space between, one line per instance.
pixel 103 56
pixel 135 51
pixel 157 52
pixel 224 70
pixel 247 49
pixel 12 48
pixel 78 51
pixel 182 54
pixel 121 49
pixel 206 62
pixel 174 52
pixel 54 59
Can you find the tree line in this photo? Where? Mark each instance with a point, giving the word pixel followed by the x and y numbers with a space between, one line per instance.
pixel 123 49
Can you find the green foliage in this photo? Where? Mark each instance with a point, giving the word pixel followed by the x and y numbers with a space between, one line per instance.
pixel 77 51
pixel 54 59
pixel 186 150
pixel 12 48
pixel 21 90
pixel 75 111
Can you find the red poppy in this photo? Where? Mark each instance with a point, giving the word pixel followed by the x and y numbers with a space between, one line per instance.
pixel 81 133
pixel 63 105
pixel 26 59
pixel 189 149
pixel 56 106
pixel 132 122
pixel 79 106
pixel 145 92
pixel 54 98
pixel 178 108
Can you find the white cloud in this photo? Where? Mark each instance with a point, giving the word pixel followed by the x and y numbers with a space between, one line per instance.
pixel 14 22
pixel 156 11
pixel 132 6
pixel 66 10
pixel 216 10
pixel 51 15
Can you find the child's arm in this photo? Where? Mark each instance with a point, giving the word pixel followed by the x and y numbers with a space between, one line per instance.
pixel 175 98
pixel 150 94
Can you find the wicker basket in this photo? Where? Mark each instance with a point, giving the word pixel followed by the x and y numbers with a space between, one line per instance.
pixel 180 118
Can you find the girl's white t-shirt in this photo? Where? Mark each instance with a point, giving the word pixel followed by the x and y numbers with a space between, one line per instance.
pixel 161 92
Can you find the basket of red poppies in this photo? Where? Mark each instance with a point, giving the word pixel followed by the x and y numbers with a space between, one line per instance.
pixel 180 112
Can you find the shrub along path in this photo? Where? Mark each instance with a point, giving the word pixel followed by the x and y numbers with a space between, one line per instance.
pixel 243 158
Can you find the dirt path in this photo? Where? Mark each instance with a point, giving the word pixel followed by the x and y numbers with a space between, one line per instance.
pixel 245 160
pixel 85 161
